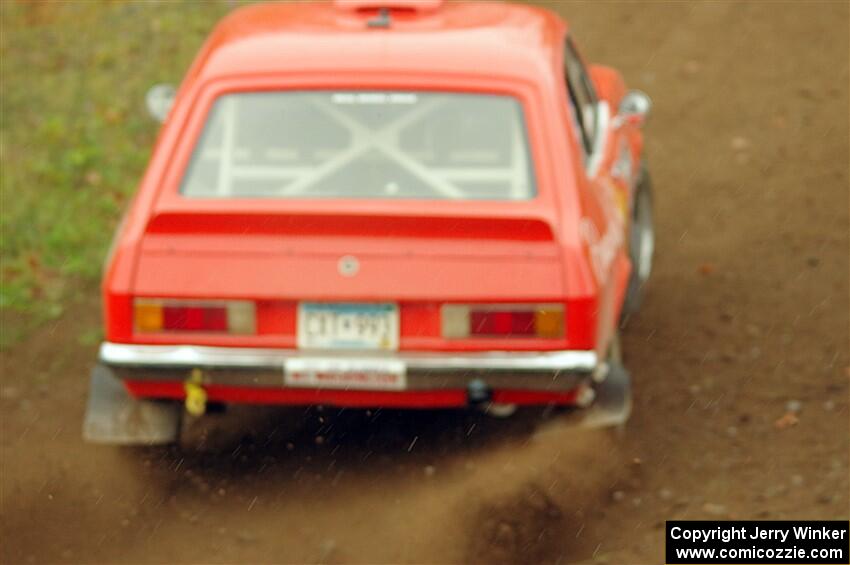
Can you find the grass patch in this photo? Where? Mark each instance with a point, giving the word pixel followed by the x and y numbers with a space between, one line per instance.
pixel 75 136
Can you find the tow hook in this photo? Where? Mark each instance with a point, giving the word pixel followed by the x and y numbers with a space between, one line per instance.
pixel 196 396
pixel 478 392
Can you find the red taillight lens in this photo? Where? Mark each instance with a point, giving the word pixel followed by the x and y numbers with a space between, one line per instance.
pixel 499 320
pixel 194 318
pixel 482 322
pixel 236 317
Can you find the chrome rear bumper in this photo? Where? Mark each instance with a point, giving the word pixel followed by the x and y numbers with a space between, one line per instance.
pixel 550 371
pixel 124 355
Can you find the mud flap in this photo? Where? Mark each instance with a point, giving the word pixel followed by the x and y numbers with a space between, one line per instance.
pixel 114 417
pixel 613 403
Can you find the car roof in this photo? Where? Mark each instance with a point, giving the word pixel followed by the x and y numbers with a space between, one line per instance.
pixel 487 38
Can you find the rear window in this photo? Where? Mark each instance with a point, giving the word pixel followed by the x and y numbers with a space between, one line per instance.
pixel 448 146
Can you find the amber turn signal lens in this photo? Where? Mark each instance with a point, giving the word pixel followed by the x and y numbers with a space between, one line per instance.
pixel 549 323
pixel 148 316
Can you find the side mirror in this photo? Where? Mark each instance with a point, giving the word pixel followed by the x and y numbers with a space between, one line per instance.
pixel 634 107
pixel 159 100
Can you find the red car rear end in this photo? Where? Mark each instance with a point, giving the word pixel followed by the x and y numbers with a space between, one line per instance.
pixel 374 206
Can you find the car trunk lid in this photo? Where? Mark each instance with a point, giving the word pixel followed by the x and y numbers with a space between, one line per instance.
pixel 363 256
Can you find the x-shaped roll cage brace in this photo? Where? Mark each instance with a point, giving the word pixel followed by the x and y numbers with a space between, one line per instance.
pixel 384 140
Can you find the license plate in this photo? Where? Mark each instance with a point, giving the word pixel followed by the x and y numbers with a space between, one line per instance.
pixel 347 326
pixel 349 374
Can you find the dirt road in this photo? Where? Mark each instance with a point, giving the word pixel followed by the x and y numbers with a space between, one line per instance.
pixel 745 325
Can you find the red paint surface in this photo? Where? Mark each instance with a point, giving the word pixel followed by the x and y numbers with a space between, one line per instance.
pixel 452 398
pixel 257 395
pixel 531 397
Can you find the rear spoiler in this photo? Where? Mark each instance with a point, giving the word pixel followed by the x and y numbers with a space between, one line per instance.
pixel 361 224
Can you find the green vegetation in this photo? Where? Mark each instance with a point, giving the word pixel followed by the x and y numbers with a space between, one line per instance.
pixel 75 136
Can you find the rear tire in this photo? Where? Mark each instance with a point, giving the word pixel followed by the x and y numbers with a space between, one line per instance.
pixel 641 243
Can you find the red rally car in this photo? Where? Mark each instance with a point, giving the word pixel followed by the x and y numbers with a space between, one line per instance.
pixel 379 203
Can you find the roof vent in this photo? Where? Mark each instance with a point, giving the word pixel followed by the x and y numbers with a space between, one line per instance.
pixel 419 6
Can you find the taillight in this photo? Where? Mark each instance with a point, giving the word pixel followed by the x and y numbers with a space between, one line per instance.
pixel 500 320
pixel 231 316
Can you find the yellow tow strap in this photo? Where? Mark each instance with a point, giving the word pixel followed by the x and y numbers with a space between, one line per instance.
pixel 196 396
